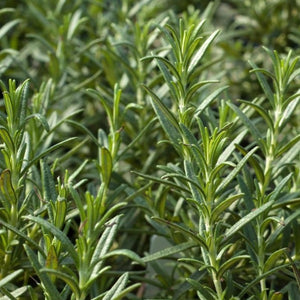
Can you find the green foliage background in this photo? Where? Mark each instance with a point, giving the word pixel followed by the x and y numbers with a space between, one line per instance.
pixel 149 149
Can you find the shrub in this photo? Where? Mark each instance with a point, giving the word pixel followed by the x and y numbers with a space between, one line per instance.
pixel 149 149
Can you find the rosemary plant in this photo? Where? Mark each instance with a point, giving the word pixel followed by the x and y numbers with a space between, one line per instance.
pixel 149 150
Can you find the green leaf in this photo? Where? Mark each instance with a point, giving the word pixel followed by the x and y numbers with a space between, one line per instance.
pixel 195 87
pixel 125 252
pixel 254 164
pixel 6 139
pixel 280 186
pixel 16 294
pixel 8 103
pixel 48 284
pixel 49 190
pixel 136 139
pixel 264 84
pixel 104 245
pixel 74 23
pixel 201 51
pixel 231 147
pixel 248 123
pixel 165 182
pixel 246 219
pixel 23 101
pixel 235 171
pixel 172 39
pixel 60 210
pixel 286 202
pixel 70 281
pixel 78 202
pixel 116 106
pixel 277 296
pixel 67 244
pixel 8 26
pixel 268 220
pixel 48 183
pixel 228 264
pixel 204 104
pixel 10 277
pixel 163 64
pixel 185 286
pixel 204 291
pixel 221 207
pixel 196 30
pixel 6 186
pixel 273 259
pixel 52 260
pixel 23 236
pixel 110 212
pixel 166 118
pixel 85 130
pixel 258 278
pixel 191 180
pixel 45 152
pixel 117 287
pixel 125 291
pixel 261 111
pixel 43 41
pixel 120 59
pixel 192 145
pixel 267 73
pixel 169 251
pixel 41 119
pixel 291 104
pixel 274 235
pixel 76 172
pixel 186 232
pixel 192 183
pixel 288 146
pixel 288 157
pixel 106 165
pixel 295 269
pixel 7 10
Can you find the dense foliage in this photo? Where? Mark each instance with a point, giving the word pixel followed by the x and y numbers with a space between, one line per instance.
pixel 149 149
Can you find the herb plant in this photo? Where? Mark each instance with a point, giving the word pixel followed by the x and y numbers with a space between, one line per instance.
pixel 149 150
